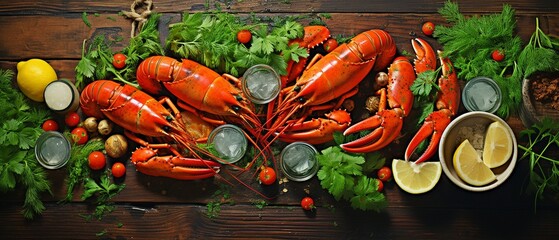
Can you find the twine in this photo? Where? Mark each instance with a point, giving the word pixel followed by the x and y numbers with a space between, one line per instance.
pixel 138 18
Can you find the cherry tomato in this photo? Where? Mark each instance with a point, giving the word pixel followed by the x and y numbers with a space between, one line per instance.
pixel 72 119
pixel 380 185
pixel 50 125
pixel 330 45
pixel 428 28
pixel 244 36
pixel 119 60
pixel 498 55
pixel 118 169
pixel 307 203
pixel 96 160
pixel 79 135
pixel 267 176
pixel 384 174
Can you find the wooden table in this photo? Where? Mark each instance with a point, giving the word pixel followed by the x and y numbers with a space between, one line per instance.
pixel 158 208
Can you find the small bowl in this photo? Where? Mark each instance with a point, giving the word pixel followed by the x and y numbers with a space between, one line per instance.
pixel 532 111
pixel 454 134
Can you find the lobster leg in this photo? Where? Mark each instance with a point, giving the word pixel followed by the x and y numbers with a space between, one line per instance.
pixel 148 162
pixel 448 100
pixel 318 130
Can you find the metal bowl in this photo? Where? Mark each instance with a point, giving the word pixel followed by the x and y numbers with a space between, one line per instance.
pixel 454 134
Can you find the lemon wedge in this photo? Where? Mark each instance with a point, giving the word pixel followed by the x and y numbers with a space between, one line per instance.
pixel 469 166
pixel 416 178
pixel 497 148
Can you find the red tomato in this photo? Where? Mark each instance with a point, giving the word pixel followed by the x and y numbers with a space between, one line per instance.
pixel 118 169
pixel 380 185
pixel 384 174
pixel 72 119
pixel 79 135
pixel 96 160
pixel 50 125
pixel 498 55
pixel 267 176
pixel 119 60
pixel 330 45
pixel 428 28
pixel 244 36
pixel 307 203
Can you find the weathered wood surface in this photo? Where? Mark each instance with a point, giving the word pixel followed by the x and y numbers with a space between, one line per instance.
pixel 155 208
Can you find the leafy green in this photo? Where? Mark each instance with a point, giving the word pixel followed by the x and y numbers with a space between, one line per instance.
pixel 78 168
pixel 542 137
pixel 342 175
pixel 97 62
pixel 425 89
pixel 19 130
pixel 210 39
pixel 469 42
pixel 540 54
pixel 104 191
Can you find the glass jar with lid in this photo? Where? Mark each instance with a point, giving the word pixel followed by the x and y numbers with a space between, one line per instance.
pixel 52 150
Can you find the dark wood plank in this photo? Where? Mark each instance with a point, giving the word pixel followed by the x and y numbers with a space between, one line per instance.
pixel 186 221
pixel 25 37
pixel 45 7
pixel 62 36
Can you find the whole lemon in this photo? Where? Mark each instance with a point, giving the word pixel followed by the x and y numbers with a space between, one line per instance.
pixel 33 76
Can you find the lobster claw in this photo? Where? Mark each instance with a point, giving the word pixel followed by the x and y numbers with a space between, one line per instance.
pixel 318 130
pixel 448 101
pixel 434 125
pixel 148 162
pixel 387 125
pixel 425 56
pixel 313 36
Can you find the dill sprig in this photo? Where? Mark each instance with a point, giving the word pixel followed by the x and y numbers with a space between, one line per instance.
pixel 469 42
pixel 19 130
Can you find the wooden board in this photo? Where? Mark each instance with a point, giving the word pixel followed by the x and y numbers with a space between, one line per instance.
pixel 158 208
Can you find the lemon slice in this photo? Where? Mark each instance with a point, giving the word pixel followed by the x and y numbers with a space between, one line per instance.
pixel 469 166
pixel 416 178
pixel 497 148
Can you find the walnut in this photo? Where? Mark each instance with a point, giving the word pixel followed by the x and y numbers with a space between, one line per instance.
pixel 372 103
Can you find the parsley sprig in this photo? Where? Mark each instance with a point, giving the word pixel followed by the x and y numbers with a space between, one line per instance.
pixel 97 59
pixel 19 130
pixel 425 88
pixel 104 191
pixel 342 175
pixel 544 169
pixel 210 39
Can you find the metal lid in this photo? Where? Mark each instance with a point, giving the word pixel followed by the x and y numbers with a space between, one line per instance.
pixel 481 94
pixel 261 84
pixel 298 161
pixel 229 141
pixel 52 150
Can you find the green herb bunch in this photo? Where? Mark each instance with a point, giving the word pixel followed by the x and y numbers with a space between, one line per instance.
pixel 97 60
pixel 540 54
pixel 210 39
pixel 469 42
pixel 343 175
pixel 19 130
pixel 103 192
pixel 542 137
pixel 78 168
